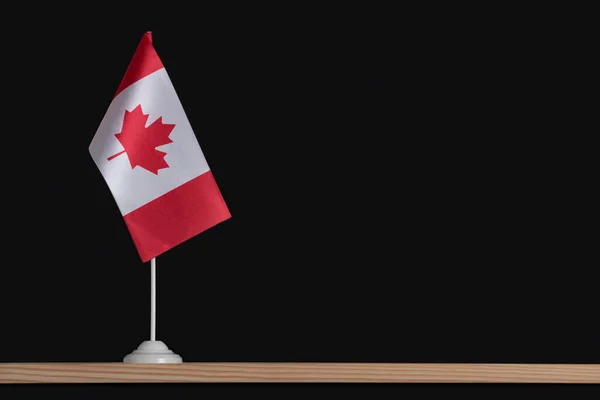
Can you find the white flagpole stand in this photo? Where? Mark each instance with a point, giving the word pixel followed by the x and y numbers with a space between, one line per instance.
pixel 152 351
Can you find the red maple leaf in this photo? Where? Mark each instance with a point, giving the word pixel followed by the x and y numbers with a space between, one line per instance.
pixel 140 143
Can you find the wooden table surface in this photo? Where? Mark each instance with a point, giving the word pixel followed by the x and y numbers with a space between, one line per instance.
pixel 27 373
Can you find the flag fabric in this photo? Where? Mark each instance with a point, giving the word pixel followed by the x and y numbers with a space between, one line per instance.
pixel 149 157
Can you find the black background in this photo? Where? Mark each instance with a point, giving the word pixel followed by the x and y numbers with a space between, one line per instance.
pixel 393 196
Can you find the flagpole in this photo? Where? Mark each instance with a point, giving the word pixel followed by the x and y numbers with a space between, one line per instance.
pixel 152 351
pixel 153 299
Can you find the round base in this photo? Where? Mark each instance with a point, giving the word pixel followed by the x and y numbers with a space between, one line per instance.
pixel 152 352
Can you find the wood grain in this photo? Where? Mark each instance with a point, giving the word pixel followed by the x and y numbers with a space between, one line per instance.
pixel 28 373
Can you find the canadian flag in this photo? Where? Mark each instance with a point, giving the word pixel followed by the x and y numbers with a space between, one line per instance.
pixel 148 155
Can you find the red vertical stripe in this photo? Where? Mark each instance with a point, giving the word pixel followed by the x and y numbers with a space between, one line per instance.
pixel 176 216
pixel 144 62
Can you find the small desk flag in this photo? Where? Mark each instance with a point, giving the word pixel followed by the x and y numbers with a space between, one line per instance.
pixel 148 155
